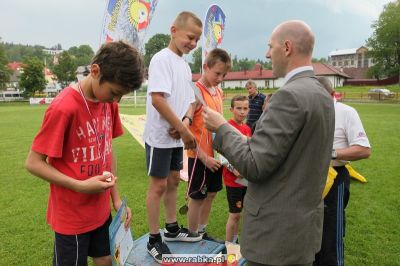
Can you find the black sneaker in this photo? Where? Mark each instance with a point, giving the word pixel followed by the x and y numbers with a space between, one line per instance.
pixel 183 235
pixel 157 250
pixel 210 238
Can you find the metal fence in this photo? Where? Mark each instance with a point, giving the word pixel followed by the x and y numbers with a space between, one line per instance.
pixel 363 97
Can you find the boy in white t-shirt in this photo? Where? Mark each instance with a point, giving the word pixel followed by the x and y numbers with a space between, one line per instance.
pixel 169 100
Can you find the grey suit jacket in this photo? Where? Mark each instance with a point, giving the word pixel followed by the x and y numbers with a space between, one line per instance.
pixel 286 162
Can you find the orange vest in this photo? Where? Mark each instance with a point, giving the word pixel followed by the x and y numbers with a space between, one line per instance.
pixel 197 128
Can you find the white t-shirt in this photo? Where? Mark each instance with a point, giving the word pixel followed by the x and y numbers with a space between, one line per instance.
pixel 170 74
pixel 349 130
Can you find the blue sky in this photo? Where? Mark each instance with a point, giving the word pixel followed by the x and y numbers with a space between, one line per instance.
pixel 337 24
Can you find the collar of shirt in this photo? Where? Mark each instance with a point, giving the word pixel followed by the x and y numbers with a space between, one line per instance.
pixel 251 98
pixel 296 71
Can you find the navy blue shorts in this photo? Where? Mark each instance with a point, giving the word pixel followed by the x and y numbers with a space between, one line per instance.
pixel 160 161
pixel 74 249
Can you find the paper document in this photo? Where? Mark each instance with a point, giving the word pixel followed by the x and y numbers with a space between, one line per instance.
pixel 197 93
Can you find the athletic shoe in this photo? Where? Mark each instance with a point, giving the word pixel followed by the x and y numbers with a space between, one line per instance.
pixel 183 235
pixel 206 236
pixel 157 250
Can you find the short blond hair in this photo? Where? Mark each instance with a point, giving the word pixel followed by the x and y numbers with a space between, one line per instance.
pixel 251 83
pixel 184 17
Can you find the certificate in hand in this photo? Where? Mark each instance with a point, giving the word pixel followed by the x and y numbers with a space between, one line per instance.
pixel 121 241
pixel 197 93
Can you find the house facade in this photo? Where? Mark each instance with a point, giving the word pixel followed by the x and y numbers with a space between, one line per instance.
pixel 265 79
pixel 350 58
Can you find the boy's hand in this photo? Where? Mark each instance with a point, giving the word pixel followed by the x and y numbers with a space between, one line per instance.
pixel 174 133
pixel 96 184
pixel 128 219
pixel 236 173
pixel 188 139
pixel 212 164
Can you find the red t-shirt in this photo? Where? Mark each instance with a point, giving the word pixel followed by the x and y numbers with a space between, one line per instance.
pixel 229 177
pixel 68 138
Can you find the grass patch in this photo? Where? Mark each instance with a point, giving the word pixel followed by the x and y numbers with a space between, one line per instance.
pixel 373 230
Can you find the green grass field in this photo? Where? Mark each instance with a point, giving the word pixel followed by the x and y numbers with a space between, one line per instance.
pixel 373 214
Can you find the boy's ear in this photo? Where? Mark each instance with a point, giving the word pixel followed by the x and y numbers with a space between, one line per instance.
pixel 205 67
pixel 231 109
pixel 95 70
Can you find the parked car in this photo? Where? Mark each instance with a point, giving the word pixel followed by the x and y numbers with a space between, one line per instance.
pixel 380 94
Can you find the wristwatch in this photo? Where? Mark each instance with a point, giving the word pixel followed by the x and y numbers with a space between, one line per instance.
pixel 190 119
pixel 334 154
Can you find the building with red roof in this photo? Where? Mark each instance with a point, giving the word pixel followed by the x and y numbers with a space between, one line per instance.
pixel 264 78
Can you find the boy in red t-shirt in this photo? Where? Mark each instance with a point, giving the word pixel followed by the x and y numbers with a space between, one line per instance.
pixel 73 152
pixel 235 187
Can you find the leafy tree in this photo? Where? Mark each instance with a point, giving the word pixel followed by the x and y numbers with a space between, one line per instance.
pixel 320 60
pixel 65 70
pixel 376 72
pixel 32 79
pixel 57 46
pixel 20 52
pixel 155 44
pixel 82 55
pixel 4 70
pixel 245 64
pixel 384 43
pixel 196 64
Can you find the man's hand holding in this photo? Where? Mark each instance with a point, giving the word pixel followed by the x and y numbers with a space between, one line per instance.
pixel 212 119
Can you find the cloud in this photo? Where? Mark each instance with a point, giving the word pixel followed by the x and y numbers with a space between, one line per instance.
pixel 363 8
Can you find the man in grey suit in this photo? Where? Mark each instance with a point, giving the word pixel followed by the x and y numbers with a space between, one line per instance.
pixel 286 161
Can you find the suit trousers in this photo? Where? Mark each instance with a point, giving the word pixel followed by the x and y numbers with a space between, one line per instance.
pixel 335 202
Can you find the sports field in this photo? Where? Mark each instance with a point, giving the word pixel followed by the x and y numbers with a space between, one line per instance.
pixel 373 214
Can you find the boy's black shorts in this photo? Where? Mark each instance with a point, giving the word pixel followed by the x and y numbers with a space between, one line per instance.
pixel 212 182
pixel 235 196
pixel 74 249
pixel 160 161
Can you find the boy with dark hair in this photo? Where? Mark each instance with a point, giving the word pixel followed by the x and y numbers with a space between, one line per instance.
pixel 73 152
pixel 169 99
pixel 235 189
pixel 205 174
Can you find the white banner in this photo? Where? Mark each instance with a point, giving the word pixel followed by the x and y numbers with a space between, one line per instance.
pixel 34 101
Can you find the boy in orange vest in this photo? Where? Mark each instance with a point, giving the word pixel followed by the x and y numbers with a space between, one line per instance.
pixel 205 172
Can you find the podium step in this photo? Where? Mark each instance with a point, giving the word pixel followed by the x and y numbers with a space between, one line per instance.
pixel 140 257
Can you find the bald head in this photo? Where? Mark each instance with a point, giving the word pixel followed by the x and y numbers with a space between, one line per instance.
pixel 300 35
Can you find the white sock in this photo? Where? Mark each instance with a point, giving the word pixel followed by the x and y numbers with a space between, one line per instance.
pixel 202 227
pixel 235 238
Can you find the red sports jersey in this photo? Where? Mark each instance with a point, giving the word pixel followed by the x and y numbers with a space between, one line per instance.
pixel 229 177
pixel 79 145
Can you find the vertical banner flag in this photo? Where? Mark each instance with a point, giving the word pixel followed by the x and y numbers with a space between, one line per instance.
pixel 127 20
pixel 214 25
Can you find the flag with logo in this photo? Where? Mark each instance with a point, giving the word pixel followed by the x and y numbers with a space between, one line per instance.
pixel 127 20
pixel 213 29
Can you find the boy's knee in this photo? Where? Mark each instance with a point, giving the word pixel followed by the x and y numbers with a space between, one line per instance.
pixel 211 195
pixel 173 179
pixel 157 186
pixel 235 217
